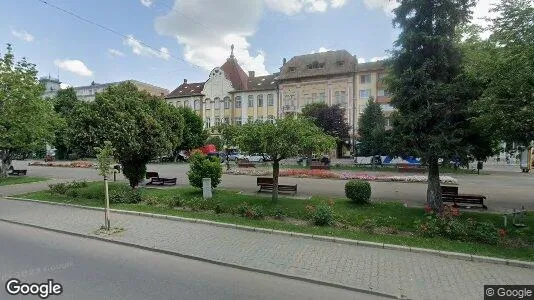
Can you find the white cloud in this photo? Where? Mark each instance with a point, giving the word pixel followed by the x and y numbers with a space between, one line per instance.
pixel 64 85
pixel 292 7
pixel 321 49
pixel 140 49
pixel 115 52
pixel 74 66
pixel 147 3
pixel 361 60
pixel 386 5
pixel 206 40
pixel 377 58
pixel 22 34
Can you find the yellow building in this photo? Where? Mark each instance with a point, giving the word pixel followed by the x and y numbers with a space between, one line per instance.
pixel 369 83
pixel 229 96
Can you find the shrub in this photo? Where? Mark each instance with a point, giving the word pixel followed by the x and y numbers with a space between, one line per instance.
pixel 358 191
pixel 368 225
pixel 124 195
pixel 195 203
pixel 218 208
pixel 203 167
pixel 242 209
pixel 175 201
pixel 323 215
pixel 72 193
pixel 58 188
pixel 279 213
pixel 151 200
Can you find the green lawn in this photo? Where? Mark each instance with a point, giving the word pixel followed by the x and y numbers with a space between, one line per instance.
pixel 20 179
pixel 392 222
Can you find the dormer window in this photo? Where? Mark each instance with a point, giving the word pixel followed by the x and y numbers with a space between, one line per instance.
pixel 315 65
pixel 292 69
pixel 340 63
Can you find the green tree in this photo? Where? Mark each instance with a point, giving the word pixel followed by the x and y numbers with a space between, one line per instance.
pixel 194 134
pixel 201 166
pixel 506 63
pixel 65 104
pixel 26 120
pixel 330 118
pixel 229 133
pixel 372 130
pixel 139 126
pixel 425 80
pixel 216 141
pixel 288 137
pixel 105 168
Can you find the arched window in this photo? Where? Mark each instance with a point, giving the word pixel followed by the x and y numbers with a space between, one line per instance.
pixel 186 103
pixel 217 103
pixel 208 101
pixel 260 100
pixel 226 102
pixel 250 101
pixel 238 101
pixel 197 104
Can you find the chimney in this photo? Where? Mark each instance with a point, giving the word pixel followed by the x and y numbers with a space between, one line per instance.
pixel 185 81
pixel 251 74
pixel 284 61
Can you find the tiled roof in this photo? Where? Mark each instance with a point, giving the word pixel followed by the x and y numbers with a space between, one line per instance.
pixel 235 74
pixel 371 66
pixel 318 64
pixel 186 90
pixel 262 83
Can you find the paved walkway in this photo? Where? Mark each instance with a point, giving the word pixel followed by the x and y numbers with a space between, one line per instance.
pixel 398 273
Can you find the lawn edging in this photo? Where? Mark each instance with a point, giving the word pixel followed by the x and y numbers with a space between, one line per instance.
pixel 447 254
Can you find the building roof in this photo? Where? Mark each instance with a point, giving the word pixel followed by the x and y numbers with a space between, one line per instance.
pixel 104 85
pixel 261 83
pixel 187 90
pixel 371 66
pixel 318 64
pixel 235 73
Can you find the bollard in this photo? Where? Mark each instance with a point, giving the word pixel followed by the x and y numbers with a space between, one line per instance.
pixel 206 188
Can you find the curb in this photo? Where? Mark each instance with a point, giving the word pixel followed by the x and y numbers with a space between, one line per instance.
pixel 446 254
pixel 207 260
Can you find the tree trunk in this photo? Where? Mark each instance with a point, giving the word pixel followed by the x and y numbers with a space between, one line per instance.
pixel 106 212
pixel 433 194
pixel 276 171
pixel 5 161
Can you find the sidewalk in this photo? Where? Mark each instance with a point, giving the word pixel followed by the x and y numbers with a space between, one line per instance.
pixel 396 273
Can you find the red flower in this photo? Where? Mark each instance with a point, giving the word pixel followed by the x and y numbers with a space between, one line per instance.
pixel 428 209
pixel 502 232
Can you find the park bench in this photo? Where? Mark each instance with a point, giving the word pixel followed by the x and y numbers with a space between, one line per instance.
pixel 18 172
pixel 156 180
pixel 266 184
pixel 318 166
pixel 450 194
pixel 410 168
pixel 242 163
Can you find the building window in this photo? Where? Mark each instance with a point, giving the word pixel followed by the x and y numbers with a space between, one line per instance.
pixel 208 122
pixel 383 93
pixel 289 100
pixel 197 104
pixel 217 103
pixel 340 97
pixel 322 97
pixel 217 121
pixel 365 94
pixel 238 121
pixel 238 101
pixel 186 103
pixel 315 65
pixel 292 69
pixel 250 101
pixel 260 100
pixel 226 120
pixel 270 119
pixel 307 99
pixel 208 103
pixel 365 79
pixel 270 100
pixel 226 102
pixel 340 63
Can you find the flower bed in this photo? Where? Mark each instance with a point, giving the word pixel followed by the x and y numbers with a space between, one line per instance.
pixel 74 164
pixel 324 174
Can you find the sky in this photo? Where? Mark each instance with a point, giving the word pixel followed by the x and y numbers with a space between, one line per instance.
pixel 163 42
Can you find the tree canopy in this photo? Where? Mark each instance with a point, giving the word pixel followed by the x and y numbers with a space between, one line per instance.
pixel 66 104
pixel 288 137
pixel 372 130
pixel 426 82
pixel 26 120
pixel 194 134
pixel 330 118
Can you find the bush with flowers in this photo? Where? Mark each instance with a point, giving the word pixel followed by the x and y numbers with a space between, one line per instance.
pixel 450 225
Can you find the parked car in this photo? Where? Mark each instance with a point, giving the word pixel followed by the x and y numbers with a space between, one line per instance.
pixel 236 156
pixel 258 157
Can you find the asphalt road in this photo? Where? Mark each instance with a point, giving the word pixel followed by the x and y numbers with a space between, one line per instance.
pixel 89 269
pixel 505 189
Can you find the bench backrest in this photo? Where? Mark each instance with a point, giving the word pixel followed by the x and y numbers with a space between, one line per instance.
pixel 264 180
pixel 449 190
pixel 152 175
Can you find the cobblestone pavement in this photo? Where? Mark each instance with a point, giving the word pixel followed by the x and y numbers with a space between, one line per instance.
pixel 398 273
